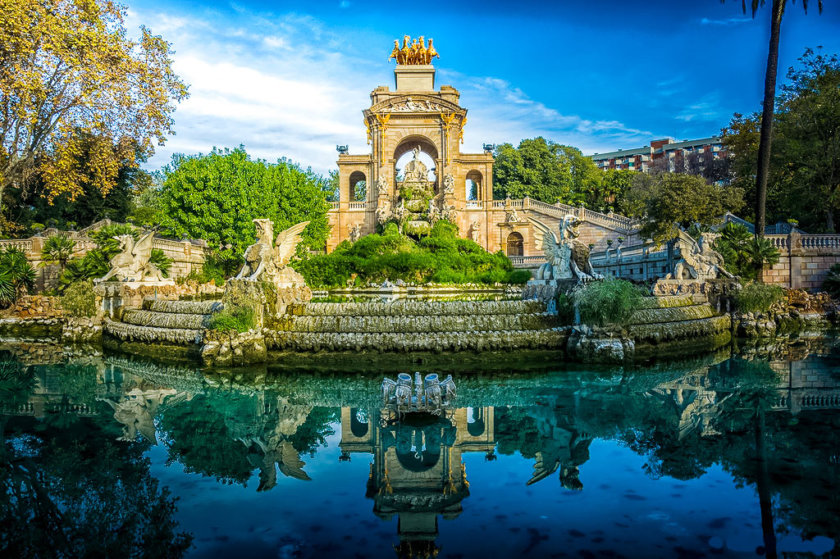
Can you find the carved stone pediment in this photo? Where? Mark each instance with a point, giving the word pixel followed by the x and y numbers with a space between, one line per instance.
pixel 416 104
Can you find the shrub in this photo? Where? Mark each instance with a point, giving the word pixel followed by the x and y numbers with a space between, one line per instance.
pixel 79 300
pixel 17 275
pixel 744 254
pixel 758 297
pixel 611 301
pixel 565 309
pixel 58 249
pixel 240 319
pixel 440 257
pixel 163 262
pixel 832 281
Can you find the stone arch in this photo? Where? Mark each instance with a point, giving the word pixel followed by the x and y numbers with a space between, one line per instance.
pixel 515 244
pixel 408 143
pixel 358 424
pixel 474 186
pixel 475 421
pixel 357 177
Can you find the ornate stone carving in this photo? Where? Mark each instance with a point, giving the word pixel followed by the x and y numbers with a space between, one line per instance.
pixel 472 232
pixel 566 257
pixel 355 233
pixel 412 106
pixel 132 262
pixel 266 259
pixel 415 54
pixel 448 184
pixel 697 262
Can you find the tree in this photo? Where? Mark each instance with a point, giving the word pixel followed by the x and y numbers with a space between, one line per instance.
pixel 58 249
pixel 805 163
pixel 544 170
pixel 611 192
pixel 672 201
pixel 16 275
pixel 216 196
pixel 69 74
pixel 766 132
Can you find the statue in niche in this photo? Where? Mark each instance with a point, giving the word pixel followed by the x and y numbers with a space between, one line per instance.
pixel 266 259
pixel 472 232
pixel 355 233
pixel 566 256
pixel 415 170
pixel 132 262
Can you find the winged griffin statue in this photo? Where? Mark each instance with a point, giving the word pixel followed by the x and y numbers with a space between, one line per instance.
pixel 266 259
pixel 566 257
pixel 132 262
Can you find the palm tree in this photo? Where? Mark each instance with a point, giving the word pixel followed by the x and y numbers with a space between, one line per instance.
pixel 766 133
pixel 58 249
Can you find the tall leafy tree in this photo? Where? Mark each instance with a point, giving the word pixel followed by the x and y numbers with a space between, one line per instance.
pixel 68 66
pixel 544 170
pixel 216 196
pixel 766 133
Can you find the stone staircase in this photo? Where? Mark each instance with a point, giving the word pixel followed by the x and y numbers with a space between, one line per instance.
pixel 683 318
pixel 170 322
pixel 404 326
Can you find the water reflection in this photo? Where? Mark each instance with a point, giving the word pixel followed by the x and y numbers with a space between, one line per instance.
pixel 77 438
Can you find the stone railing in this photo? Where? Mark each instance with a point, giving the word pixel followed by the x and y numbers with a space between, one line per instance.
pixel 356 206
pixel 24 245
pixel 804 260
pixel 640 262
pixel 334 205
pixel 474 205
pixel 527 262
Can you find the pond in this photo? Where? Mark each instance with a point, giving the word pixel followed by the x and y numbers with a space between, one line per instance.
pixel 724 456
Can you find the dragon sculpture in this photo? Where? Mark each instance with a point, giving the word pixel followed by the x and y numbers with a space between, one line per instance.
pixel 266 259
pixel 132 262
pixel 566 257
pixel 697 261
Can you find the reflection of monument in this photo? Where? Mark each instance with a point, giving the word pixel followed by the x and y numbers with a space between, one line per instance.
pixel 417 472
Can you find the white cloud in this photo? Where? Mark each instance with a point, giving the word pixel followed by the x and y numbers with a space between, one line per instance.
pixel 727 21
pixel 286 86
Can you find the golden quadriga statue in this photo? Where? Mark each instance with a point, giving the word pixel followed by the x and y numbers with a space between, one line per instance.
pixel 413 52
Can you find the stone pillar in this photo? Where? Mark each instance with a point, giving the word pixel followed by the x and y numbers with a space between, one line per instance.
pixel 795 261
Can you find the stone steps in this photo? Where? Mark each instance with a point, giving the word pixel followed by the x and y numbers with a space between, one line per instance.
pixel 182 307
pixel 553 338
pixel 672 301
pixel 150 334
pixel 672 314
pixel 418 324
pixel 655 333
pixel 165 319
pixel 421 308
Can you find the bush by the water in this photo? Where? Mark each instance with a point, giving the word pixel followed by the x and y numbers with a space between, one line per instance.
pixel 440 257
pixel 758 297
pixel 79 300
pixel 612 301
pixel 240 319
pixel 16 275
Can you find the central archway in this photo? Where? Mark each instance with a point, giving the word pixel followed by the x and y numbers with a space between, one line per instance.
pixel 428 155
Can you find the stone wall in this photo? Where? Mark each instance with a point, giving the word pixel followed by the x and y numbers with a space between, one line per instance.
pixel 186 255
pixel 804 260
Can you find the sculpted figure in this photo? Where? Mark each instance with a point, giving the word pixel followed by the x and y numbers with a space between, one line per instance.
pixel 395 54
pixel 448 184
pixel 355 233
pixel 431 53
pixel 472 232
pixel 266 258
pixel 696 262
pixel 132 262
pixel 422 53
pixel 406 50
pixel 566 257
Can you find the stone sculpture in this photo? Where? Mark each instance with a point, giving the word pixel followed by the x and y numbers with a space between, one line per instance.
pixel 472 232
pixel 697 262
pixel 355 233
pixel 132 262
pixel 266 259
pixel 566 256
pixel 415 53
pixel 428 394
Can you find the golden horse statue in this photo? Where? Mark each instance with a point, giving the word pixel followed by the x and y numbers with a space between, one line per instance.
pixel 413 51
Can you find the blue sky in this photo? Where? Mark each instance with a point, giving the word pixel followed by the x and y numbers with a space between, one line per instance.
pixel 291 78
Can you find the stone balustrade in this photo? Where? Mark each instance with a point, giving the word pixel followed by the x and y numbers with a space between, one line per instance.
pixel 804 260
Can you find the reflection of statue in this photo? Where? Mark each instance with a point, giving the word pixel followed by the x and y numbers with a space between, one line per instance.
pixel 132 262
pixel 265 259
pixel 696 262
pixel 566 257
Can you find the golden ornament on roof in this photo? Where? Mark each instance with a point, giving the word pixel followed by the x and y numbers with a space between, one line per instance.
pixel 413 52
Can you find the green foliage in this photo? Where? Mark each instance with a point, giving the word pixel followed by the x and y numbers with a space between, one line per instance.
pixel 545 171
pixel 16 275
pixel 440 257
pixel 216 196
pixel 832 281
pixel 758 297
pixel 611 301
pixel 805 159
pixel 239 319
pixel 670 201
pixel 96 263
pixel 744 254
pixel 58 249
pixel 565 309
pixel 163 262
pixel 79 300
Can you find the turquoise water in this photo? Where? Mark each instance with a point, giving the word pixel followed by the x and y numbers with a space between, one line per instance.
pixel 719 457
